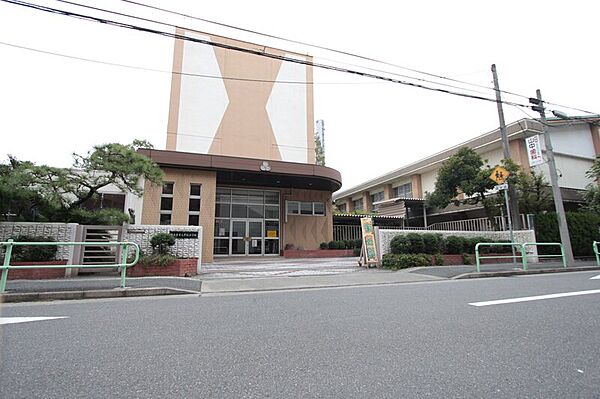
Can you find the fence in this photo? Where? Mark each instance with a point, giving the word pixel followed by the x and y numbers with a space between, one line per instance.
pixel 522 247
pixel 500 223
pixel 122 246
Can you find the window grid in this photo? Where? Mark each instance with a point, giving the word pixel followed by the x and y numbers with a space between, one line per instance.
pixel 166 203
pixel 305 208
pixel 194 204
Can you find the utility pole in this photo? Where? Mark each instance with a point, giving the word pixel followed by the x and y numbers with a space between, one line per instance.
pixel 558 203
pixel 513 214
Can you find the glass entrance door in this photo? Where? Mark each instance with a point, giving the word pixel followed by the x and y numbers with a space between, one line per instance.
pixel 246 237
pixel 255 241
pixel 239 237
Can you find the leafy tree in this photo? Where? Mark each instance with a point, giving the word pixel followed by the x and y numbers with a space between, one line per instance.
pixel 463 173
pixel 59 194
pixel 534 193
pixel 591 196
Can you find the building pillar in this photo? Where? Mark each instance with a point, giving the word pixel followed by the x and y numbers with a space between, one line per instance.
pixel 366 197
pixel 388 192
pixel 417 190
pixel 349 205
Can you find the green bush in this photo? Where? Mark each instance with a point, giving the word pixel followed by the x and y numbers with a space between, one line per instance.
pixel 433 243
pixel 106 217
pixel 416 243
pixel 161 243
pixel 438 260
pixel 38 253
pixel 402 261
pixel 456 245
pixel 583 230
pixel 400 245
pixel 356 251
pixel 157 259
pixel 323 245
pixel 466 258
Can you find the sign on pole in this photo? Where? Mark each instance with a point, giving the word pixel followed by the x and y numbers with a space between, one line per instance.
pixel 499 175
pixel 534 150
pixel 369 246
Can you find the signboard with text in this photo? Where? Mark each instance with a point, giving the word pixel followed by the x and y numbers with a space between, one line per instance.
pixel 369 248
pixel 534 150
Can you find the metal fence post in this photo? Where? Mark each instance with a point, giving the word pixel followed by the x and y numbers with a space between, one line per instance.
pixel 595 246
pixel 477 256
pixel 524 255
pixel 562 252
pixel 123 262
pixel 7 256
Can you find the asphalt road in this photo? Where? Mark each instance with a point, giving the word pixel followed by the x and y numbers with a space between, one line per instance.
pixel 393 341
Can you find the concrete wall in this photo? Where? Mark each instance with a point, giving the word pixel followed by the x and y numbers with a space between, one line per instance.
pixel 64 232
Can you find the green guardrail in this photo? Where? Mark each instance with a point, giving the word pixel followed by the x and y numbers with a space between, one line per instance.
pixel 595 246
pixel 523 249
pixel 496 244
pixel 123 265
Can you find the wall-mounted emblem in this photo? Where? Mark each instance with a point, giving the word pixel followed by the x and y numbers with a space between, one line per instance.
pixel 265 167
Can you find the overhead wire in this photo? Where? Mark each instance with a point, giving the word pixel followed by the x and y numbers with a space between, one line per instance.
pixel 171 72
pixel 276 37
pixel 244 50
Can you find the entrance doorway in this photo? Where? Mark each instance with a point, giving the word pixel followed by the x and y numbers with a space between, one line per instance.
pixel 246 222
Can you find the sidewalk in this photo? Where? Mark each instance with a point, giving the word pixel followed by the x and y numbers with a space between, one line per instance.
pixel 247 276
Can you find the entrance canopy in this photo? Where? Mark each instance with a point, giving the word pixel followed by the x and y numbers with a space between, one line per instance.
pixel 251 172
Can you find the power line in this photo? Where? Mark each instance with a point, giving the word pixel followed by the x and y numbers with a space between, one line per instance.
pixel 169 72
pixel 310 45
pixel 276 37
pixel 246 50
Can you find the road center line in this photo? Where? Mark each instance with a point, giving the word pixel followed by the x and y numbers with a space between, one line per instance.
pixel 534 298
pixel 15 320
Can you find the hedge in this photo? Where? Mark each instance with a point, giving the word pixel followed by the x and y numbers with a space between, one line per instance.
pixel 428 243
pixel 583 230
pixel 402 261
pixel 37 253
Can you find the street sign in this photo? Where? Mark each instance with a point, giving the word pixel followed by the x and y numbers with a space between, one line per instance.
pixel 503 186
pixel 499 175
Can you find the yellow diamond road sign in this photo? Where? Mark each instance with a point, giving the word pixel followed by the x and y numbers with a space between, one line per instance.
pixel 499 175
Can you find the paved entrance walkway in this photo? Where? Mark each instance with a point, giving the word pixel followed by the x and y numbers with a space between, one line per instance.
pixel 233 268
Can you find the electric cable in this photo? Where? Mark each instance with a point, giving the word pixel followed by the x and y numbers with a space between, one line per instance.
pixel 246 50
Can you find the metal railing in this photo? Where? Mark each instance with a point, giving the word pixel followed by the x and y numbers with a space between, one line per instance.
pixel 595 246
pixel 123 265
pixel 480 224
pixel 523 249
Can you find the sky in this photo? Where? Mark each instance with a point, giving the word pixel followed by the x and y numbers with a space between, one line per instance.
pixel 53 106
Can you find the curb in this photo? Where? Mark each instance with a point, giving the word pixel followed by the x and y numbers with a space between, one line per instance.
pixel 90 294
pixel 508 273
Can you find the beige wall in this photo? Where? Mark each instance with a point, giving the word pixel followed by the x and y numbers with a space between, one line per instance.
pixel 307 231
pixel 181 190
pixel 254 115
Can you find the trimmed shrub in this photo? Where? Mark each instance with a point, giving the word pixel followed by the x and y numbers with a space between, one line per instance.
pixel 402 261
pixel 157 259
pixel 400 245
pixel 332 245
pixel 161 243
pixel 323 245
pixel 38 253
pixel 433 243
pixel 438 260
pixel 416 243
pixel 456 245
pixel 583 230
pixel 466 258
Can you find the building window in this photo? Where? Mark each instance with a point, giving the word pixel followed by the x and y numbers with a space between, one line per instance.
pixel 342 208
pixel 194 205
pixel 305 208
pixel 403 191
pixel 376 198
pixel 166 203
pixel 357 205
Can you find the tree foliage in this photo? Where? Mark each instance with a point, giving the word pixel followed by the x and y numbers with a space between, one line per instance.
pixel 463 173
pixel 41 192
pixel 591 196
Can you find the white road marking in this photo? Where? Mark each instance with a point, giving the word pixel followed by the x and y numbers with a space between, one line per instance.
pixel 595 277
pixel 14 320
pixel 534 298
